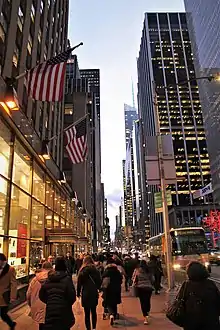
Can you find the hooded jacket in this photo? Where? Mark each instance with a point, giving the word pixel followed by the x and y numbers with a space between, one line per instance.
pixel 58 293
pixel 88 283
pixel 202 300
pixel 38 308
pixel 112 294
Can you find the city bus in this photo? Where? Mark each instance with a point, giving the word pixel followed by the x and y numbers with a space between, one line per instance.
pixel 188 244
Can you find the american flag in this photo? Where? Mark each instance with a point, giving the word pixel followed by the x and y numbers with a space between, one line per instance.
pixel 45 82
pixel 77 142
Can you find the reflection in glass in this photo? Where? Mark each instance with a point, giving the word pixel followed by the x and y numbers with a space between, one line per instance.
pixel 5 137
pixel 36 255
pixel 22 168
pixel 49 193
pixel 19 210
pixel 48 219
pixel 37 220
pixel 38 184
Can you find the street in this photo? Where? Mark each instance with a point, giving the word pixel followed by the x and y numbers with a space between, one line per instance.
pixel 130 316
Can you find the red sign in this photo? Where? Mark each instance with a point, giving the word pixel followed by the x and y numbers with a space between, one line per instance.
pixel 22 242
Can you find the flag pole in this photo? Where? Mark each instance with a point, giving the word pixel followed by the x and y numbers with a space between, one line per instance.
pixel 25 72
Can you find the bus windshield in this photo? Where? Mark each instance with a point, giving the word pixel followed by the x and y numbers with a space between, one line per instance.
pixel 188 242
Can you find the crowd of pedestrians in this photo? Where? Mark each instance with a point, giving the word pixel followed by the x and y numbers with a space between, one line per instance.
pixel 52 294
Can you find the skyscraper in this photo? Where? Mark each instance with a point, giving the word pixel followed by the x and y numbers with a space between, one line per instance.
pixel 130 115
pixel 203 20
pixel 165 58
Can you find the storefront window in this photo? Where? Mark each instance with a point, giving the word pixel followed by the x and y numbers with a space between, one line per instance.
pixel 22 168
pixel 38 184
pixel 19 211
pixel 57 201
pixel 5 138
pixel 56 221
pixel 36 255
pixel 37 220
pixel 49 193
pixel 49 219
pixel 3 203
pixel 63 223
pixel 17 253
pixel 63 206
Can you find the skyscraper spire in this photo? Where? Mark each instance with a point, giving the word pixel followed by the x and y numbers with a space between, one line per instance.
pixel 133 92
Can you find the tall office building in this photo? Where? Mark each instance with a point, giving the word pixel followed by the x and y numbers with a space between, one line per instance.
pixel 35 208
pixel 83 98
pixel 203 20
pixel 166 58
pixel 130 115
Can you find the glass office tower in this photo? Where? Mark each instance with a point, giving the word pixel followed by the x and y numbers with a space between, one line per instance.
pixel 204 21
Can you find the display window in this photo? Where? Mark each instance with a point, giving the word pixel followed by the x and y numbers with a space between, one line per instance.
pixel 17 251
pixel 19 210
pixel 63 206
pixel 22 175
pixel 49 194
pixel 56 220
pixel 38 184
pixel 57 201
pixel 3 204
pixel 48 219
pixel 36 256
pixel 5 139
pixel 37 220
pixel 63 223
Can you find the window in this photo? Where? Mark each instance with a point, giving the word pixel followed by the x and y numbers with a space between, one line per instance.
pixel 56 221
pixel 20 19
pixel 5 137
pixel 30 44
pixel 37 220
pixel 38 184
pixel 2 33
pixel 22 168
pixel 3 203
pixel 49 219
pixel 32 13
pixel 57 201
pixel 49 194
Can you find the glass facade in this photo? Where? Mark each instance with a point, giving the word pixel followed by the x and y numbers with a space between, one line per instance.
pixel 30 201
pixel 203 21
pixel 166 58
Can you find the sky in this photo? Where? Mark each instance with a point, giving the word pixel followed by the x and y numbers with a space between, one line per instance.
pixel 111 33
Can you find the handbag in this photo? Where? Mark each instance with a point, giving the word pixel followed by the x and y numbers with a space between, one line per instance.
pixel 176 311
pixel 105 282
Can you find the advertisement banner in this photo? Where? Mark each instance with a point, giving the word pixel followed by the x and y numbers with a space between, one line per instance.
pixel 22 242
pixel 203 191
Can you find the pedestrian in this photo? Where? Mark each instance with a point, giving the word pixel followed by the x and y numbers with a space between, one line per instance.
pixel 201 299
pixel 129 270
pixel 156 270
pixel 78 263
pixel 111 287
pixel 143 282
pixel 38 308
pixel 8 290
pixel 70 263
pixel 51 260
pixel 99 267
pixel 59 294
pixel 88 285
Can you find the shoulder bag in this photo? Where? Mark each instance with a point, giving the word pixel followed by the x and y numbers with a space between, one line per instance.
pixel 176 311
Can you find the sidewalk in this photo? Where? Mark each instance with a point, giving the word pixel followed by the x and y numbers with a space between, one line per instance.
pixel 130 316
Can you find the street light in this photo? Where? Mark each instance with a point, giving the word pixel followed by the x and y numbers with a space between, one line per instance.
pixel 84 213
pixel 79 205
pixel 45 150
pixel 10 97
pixel 62 178
pixel 73 196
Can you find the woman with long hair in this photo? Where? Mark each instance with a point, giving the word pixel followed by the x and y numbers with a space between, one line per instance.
pixel 143 281
pixel 88 285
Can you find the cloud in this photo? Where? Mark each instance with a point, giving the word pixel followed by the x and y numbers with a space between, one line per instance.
pixel 114 198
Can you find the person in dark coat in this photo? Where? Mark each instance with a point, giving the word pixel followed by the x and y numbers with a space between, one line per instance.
pixel 88 284
pixel 78 263
pixel 111 286
pixel 58 293
pixel 202 299
pixel 129 268
pixel 156 270
pixel 70 264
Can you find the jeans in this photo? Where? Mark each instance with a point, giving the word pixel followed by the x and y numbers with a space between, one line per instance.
pixel 88 311
pixel 144 295
pixel 5 317
pixel 41 326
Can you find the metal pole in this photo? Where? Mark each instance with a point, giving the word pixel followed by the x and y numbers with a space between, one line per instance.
pixel 166 224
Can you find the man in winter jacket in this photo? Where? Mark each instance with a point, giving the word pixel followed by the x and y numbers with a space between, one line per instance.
pixel 59 294
pixel 8 289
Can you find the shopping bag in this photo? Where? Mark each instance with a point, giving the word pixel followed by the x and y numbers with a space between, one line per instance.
pixel 78 307
pixel 176 311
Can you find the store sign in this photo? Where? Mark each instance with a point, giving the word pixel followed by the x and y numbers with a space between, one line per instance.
pixel 203 191
pixel 158 201
pixel 22 241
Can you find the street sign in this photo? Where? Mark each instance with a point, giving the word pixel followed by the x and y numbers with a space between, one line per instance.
pixel 158 201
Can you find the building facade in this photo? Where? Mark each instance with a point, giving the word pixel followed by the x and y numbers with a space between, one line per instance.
pixel 37 214
pixel 165 59
pixel 203 22
pixel 130 115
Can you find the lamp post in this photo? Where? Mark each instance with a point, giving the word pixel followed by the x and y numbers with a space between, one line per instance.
pixel 168 247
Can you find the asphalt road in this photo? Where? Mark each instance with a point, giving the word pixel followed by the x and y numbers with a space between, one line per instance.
pixel 215 274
